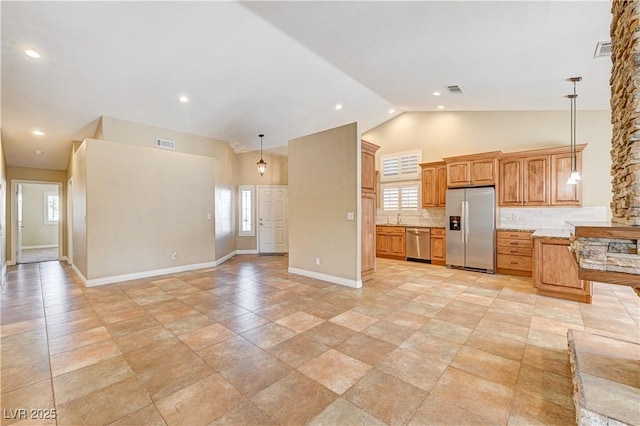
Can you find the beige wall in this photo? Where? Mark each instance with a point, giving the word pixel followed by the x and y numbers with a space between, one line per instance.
pixel 446 134
pixel 247 174
pixel 142 135
pixel 3 216
pixel 78 172
pixel 142 205
pixel 37 175
pixel 323 187
pixel 35 232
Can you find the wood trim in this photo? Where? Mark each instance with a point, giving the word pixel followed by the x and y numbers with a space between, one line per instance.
pixel 433 164
pixel 610 277
pixel 471 157
pixel 513 272
pixel 368 146
pixel 544 151
pixel 623 232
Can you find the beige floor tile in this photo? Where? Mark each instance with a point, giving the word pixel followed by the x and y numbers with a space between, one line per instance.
pixel 407 319
pixel 73 341
pixel 475 394
pixel 148 416
pixel 34 396
pixel 448 331
pixel 488 366
pixel 200 403
pixel 366 349
pixel 19 376
pixel 335 370
pixel 252 375
pixel 412 368
pixel 354 320
pixel 386 397
pixel 552 360
pixel 343 412
pixel 139 339
pixel 496 344
pixel 166 378
pixel 245 322
pixel 158 353
pixel 431 347
pixel 81 357
pixel 206 336
pixel 294 400
pixel 300 321
pixel 545 385
pixel 528 410
pixel 439 411
pixel 268 335
pixel 297 350
pixel 245 415
pixel 389 332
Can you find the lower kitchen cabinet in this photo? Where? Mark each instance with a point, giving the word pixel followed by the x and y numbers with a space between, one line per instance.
pixel 438 246
pixel 555 272
pixel 514 249
pixel 390 242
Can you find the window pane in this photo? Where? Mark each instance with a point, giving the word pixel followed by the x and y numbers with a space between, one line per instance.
pixel 409 164
pixel 52 208
pixel 390 199
pixel 410 198
pixel 245 200
pixel 390 167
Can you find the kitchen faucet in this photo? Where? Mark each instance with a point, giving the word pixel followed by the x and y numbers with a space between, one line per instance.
pixel 398 219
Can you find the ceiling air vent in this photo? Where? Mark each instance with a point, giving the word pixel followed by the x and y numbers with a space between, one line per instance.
pixel 454 90
pixel 165 144
pixel 603 48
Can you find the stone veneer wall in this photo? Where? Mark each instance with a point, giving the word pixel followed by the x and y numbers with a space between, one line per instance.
pixel 625 111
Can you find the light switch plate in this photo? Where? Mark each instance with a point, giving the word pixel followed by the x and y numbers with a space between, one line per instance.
pixel 351 216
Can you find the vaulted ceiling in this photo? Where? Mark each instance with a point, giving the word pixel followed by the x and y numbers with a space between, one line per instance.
pixel 280 68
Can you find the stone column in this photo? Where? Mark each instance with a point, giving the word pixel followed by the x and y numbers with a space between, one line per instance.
pixel 625 111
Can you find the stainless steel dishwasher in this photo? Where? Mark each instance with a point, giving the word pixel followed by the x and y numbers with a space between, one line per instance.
pixel 418 242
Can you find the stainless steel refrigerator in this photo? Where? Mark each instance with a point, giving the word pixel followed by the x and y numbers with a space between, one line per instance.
pixel 471 227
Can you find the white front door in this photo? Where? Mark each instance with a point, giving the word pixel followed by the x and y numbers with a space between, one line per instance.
pixel 273 226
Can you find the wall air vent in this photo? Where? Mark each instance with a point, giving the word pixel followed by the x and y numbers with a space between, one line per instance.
pixel 603 48
pixel 454 90
pixel 165 144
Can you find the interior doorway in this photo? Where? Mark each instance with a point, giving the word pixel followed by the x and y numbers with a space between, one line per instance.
pixel 37 224
pixel 273 219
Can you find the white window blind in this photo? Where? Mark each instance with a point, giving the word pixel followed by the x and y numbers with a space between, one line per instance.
pixel 400 198
pixel 401 166
pixel 247 227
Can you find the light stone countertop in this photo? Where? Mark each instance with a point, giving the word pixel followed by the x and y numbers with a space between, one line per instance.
pixel 552 233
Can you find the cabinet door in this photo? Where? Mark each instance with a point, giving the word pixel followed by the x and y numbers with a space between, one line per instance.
pixel 368 238
pixel 429 187
pixel 561 193
pixel 458 174
pixel 483 172
pixel 511 182
pixel 397 245
pixel 536 181
pixel 441 186
pixel 368 171
pixel 437 248
pixel 382 243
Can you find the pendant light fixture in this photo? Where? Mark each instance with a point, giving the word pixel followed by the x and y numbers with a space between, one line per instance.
pixel 575 175
pixel 262 166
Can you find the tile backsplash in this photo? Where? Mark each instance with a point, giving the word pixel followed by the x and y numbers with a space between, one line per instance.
pixel 548 218
pixel 428 217
pixel 511 218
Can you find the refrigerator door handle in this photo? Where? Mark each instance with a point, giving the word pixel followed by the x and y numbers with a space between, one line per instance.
pixel 463 222
pixel 466 221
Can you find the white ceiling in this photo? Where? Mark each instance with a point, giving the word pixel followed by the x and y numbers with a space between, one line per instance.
pixel 279 68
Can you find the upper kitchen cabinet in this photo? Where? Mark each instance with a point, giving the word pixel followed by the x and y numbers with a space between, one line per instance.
pixel 473 170
pixel 524 181
pixel 368 209
pixel 368 155
pixel 434 184
pixel 539 178
pixel 563 194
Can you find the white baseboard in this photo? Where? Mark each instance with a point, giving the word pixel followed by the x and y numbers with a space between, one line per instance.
pixel 224 258
pixel 254 251
pixel 64 259
pixel 11 263
pixel 143 274
pixel 326 277
pixel 39 247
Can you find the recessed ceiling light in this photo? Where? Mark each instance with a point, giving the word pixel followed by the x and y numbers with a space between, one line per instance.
pixel 38 152
pixel 32 54
pixel 391 111
pixel 436 93
pixel 184 99
pixel 440 107
pixel 338 107
pixel 38 133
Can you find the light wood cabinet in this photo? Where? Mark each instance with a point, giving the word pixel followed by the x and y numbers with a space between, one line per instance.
pixel 368 210
pixel 390 242
pixel 434 184
pixel 514 250
pixel 539 178
pixel 438 246
pixel 524 181
pixel 561 167
pixel 473 170
pixel 555 272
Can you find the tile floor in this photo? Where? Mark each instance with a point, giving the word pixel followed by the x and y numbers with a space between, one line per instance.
pixel 248 343
pixel 38 255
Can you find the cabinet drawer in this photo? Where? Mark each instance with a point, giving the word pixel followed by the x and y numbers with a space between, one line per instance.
pixel 390 230
pixel 515 251
pixel 522 263
pixel 514 235
pixel 514 243
pixel 438 231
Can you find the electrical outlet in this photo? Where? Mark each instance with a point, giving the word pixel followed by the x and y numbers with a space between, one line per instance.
pixel 174 255
pixel 317 260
